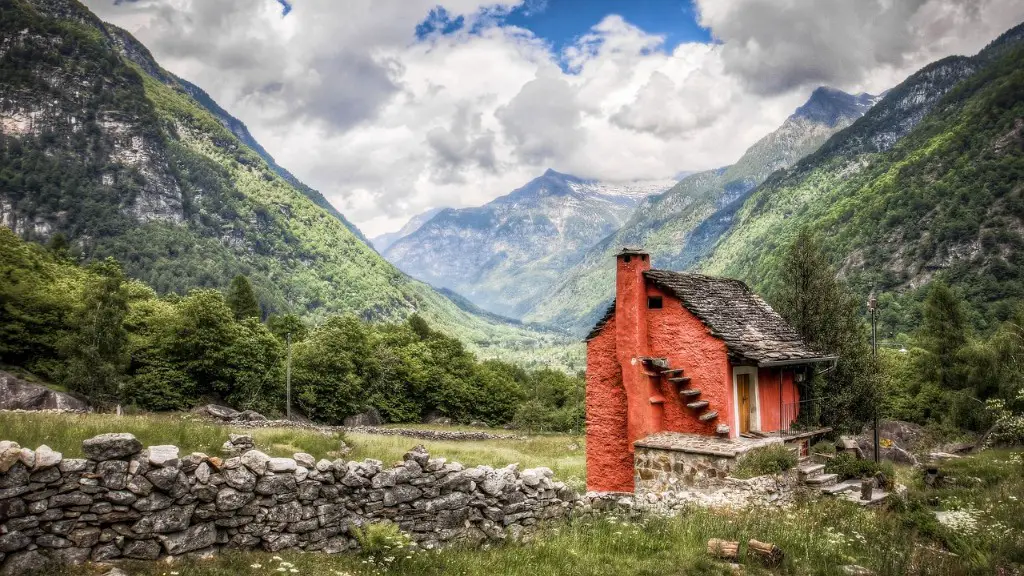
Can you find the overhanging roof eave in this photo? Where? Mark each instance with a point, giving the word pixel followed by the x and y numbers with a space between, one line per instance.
pixel 796 361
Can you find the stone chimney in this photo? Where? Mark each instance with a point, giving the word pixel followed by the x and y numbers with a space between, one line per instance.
pixel 644 408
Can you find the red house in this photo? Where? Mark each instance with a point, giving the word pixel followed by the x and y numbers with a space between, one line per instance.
pixel 689 354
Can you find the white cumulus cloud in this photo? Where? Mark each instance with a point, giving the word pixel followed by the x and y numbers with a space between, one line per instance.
pixel 388 124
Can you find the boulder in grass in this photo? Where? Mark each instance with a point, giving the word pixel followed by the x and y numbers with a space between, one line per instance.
pixel 18 394
pixel 369 418
pixel 222 413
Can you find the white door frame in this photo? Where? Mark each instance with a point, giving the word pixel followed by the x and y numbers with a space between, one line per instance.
pixel 736 371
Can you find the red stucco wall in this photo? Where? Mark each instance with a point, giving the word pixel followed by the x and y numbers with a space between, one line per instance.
pixel 609 452
pixel 678 335
pixel 768 396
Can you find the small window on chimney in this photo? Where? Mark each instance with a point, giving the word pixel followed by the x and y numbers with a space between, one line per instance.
pixel 654 302
pixel 643 257
pixel 625 258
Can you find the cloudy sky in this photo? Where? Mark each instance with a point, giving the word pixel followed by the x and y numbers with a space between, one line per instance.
pixel 392 107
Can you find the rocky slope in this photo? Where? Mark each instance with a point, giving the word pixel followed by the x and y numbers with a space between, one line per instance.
pixel 506 254
pixel 927 184
pixel 102 145
pixel 384 241
pixel 664 223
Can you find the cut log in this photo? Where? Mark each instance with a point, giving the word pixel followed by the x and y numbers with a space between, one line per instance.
pixel 768 554
pixel 723 549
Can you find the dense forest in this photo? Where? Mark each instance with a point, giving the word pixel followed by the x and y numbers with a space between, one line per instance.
pixel 93 331
pixel 946 376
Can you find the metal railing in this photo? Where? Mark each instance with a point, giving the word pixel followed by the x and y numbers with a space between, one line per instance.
pixel 801 416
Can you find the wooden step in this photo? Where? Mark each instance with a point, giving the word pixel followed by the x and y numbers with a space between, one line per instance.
pixel 672 371
pixel 708 416
pixel 680 379
pixel 690 392
pixel 821 479
pixel 698 405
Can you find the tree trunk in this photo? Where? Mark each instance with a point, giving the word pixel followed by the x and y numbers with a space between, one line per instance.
pixel 768 554
pixel 724 549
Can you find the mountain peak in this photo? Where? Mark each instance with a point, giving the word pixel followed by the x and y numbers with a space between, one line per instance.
pixel 830 105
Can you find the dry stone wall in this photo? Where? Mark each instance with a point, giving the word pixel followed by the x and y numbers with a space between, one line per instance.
pixel 123 501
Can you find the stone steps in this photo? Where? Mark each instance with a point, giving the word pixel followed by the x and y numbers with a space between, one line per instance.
pixel 698 405
pixel 810 469
pixel 690 392
pixel 708 416
pixel 672 371
pixel 845 486
pixel 821 480
pixel 680 380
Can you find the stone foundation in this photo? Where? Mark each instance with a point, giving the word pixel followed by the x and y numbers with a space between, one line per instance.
pixel 122 501
pixel 660 470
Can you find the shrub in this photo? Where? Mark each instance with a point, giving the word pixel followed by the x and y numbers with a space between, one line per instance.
pixel 381 538
pixel 847 466
pixel 824 447
pixel 772 459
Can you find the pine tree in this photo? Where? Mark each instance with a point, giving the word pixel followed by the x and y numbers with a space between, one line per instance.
pixel 944 334
pixel 242 298
pixel 825 314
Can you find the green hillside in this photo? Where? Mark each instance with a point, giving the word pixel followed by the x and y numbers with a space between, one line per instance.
pixel 946 201
pixel 126 163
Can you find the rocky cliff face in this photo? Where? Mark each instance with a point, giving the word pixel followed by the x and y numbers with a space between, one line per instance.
pixel 664 223
pixel 505 255
pixel 101 144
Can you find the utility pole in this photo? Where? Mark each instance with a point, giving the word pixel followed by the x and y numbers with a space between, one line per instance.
pixel 873 306
pixel 288 379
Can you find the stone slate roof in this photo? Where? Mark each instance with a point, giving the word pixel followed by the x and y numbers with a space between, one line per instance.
pixel 608 314
pixel 751 330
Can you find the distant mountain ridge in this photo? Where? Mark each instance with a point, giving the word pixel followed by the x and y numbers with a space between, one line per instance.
pixel 664 223
pixel 504 255
pixel 384 241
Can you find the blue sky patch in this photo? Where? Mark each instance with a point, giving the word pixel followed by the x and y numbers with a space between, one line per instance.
pixel 286 7
pixel 562 22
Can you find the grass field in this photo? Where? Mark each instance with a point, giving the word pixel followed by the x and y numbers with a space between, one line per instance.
pixel 65 432
pixel 981 531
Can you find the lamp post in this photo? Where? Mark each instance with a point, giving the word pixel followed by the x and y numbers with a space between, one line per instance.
pixel 873 306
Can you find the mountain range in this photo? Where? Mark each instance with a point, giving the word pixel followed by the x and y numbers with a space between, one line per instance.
pixel 663 223
pixel 920 182
pixel 505 255
pixel 102 145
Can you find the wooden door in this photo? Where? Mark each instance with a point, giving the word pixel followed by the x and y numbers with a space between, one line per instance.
pixel 743 389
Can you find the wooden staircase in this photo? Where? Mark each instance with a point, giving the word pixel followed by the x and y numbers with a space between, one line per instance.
pixel 690 396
